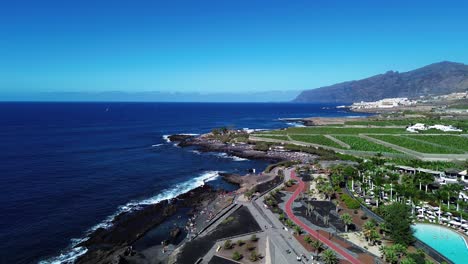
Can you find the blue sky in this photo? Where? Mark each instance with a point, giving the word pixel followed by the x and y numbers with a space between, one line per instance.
pixel 219 46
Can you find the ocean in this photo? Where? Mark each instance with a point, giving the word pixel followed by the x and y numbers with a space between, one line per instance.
pixel 69 168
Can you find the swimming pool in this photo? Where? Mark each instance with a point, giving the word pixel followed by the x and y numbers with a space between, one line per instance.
pixel 447 242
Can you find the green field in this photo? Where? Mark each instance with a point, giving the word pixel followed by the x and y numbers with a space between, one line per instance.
pixel 316 139
pixel 405 122
pixel 278 137
pixel 408 143
pixel 361 144
pixel 324 130
pixel 456 142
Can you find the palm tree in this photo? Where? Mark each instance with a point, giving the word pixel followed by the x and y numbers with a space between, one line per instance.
pixel 316 245
pixel 374 236
pixel 329 191
pixel 329 257
pixel 400 250
pixel 391 256
pixel 367 228
pixel 347 220
pixel 297 230
pixel 382 252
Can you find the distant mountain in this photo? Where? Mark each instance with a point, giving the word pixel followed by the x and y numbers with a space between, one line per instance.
pixel 435 79
pixel 154 96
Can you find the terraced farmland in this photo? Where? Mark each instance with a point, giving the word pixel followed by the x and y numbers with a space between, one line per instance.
pixel 361 144
pixel 317 139
pixel 456 142
pixel 411 144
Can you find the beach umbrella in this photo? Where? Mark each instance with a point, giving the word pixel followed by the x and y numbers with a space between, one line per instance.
pixel 465 226
pixel 444 219
pixel 432 217
pixel 420 216
pixel 454 223
pixel 448 213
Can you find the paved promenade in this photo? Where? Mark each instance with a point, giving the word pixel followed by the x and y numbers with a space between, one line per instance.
pixel 312 232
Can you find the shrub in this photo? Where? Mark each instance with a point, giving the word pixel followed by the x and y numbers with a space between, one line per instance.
pixel 236 255
pixel 228 220
pixel 250 246
pixel 253 238
pixel 364 217
pixel 240 242
pixel 227 244
pixel 254 256
pixel 350 202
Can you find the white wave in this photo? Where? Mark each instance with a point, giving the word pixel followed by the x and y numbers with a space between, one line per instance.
pixel 156 145
pixel 196 152
pixel 70 254
pixel 188 134
pixel 226 156
pixel 289 118
pixel 235 158
pixel 354 116
pixel 295 124
pixel 166 138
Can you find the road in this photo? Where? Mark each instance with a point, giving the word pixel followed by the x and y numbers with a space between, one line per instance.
pixel 309 230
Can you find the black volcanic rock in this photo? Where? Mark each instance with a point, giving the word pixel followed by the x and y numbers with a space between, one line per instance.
pixel 435 79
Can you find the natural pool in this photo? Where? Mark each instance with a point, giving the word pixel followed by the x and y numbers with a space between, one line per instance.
pixel 446 241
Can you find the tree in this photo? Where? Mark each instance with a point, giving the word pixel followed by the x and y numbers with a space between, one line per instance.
pixel 408 261
pixel 391 256
pixel 400 250
pixel 236 255
pixel 240 242
pixel 307 239
pixel 347 220
pixel 367 228
pixel 329 257
pixel 297 230
pixel 374 236
pixel 317 245
pixel 328 191
pixel 397 218
pixel 253 238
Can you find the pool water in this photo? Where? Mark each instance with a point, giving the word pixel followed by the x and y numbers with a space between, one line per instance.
pixel 447 242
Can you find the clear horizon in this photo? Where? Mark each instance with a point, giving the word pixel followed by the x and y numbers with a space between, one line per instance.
pixel 218 48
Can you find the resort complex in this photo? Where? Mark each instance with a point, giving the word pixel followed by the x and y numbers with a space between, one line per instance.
pixel 374 190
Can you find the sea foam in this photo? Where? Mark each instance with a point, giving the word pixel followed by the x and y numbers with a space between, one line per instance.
pixel 232 157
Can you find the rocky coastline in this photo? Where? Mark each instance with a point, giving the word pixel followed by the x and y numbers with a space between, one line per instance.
pixel 204 143
pixel 113 245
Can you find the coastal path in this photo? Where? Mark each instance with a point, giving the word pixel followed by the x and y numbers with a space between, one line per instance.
pixel 309 230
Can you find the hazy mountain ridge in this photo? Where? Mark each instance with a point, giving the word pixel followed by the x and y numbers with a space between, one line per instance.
pixel 156 96
pixel 434 79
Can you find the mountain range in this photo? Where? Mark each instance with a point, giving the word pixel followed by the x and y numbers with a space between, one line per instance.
pixel 434 79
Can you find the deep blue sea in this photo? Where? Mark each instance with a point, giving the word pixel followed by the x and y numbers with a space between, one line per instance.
pixel 66 168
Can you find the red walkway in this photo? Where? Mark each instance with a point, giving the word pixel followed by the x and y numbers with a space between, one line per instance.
pixel 309 230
